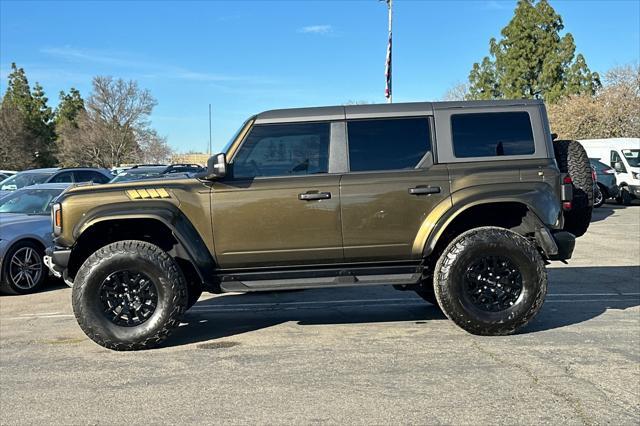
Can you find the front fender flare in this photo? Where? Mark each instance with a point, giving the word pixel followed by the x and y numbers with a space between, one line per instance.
pixel 165 212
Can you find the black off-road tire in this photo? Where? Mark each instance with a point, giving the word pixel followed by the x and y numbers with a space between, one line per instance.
pixel 451 291
pixel 573 159
pixel 7 286
pixel 137 256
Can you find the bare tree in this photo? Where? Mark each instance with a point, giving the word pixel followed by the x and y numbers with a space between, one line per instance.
pixel 613 112
pixel 154 148
pixel 458 92
pixel 110 129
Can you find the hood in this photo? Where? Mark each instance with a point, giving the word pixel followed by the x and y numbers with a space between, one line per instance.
pixel 9 219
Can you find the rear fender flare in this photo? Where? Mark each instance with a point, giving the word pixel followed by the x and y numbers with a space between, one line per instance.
pixel 539 198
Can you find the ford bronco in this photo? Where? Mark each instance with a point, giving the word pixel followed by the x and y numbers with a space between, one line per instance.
pixel 461 202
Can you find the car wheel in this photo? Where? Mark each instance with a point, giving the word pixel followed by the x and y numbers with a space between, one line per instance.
pixel 490 281
pixel 598 197
pixel 129 295
pixel 23 269
pixel 572 159
pixel 624 197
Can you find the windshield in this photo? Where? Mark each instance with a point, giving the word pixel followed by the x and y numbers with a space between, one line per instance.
pixel 23 179
pixel 632 156
pixel 235 135
pixel 29 201
pixel 136 175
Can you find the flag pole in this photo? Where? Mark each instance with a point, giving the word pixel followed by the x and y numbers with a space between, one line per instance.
pixel 209 130
pixel 389 75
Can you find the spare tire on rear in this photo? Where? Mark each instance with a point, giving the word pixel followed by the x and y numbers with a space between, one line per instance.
pixel 573 160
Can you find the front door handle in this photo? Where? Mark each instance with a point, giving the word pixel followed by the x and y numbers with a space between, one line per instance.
pixel 422 190
pixel 310 196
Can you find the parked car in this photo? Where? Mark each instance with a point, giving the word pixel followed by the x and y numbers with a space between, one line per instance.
pixel 4 174
pixel 146 172
pixel 466 216
pixel 25 231
pixel 54 175
pixel 623 155
pixel 605 182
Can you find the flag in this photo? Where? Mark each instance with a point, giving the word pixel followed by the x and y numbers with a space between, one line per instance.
pixel 387 70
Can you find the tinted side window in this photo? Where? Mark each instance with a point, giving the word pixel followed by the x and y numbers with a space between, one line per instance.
pixel 283 150
pixel 389 144
pixel 492 134
pixel 89 176
pixel 63 177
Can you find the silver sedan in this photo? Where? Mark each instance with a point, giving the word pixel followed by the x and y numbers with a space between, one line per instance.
pixel 25 231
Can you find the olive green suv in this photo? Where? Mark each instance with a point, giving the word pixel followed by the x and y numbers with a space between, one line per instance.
pixel 462 202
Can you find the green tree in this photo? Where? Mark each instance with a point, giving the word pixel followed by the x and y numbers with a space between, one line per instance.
pixel 29 143
pixel 532 59
pixel 69 107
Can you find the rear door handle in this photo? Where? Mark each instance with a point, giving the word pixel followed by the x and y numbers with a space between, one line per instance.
pixel 310 196
pixel 422 190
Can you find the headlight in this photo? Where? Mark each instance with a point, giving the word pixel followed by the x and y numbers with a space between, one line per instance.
pixel 635 175
pixel 56 218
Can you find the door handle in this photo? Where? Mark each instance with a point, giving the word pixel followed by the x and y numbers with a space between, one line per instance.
pixel 310 196
pixel 422 190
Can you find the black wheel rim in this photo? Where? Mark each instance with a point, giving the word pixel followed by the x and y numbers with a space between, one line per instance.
pixel 493 283
pixel 128 299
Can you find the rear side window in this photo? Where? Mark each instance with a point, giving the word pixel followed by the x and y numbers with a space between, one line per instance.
pixel 387 144
pixel 90 176
pixel 492 134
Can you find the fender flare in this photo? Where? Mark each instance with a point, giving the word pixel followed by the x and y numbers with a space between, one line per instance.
pixel 537 197
pixel 169 215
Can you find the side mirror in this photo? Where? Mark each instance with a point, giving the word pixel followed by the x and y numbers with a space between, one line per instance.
pixel 216 166
pixel 619 167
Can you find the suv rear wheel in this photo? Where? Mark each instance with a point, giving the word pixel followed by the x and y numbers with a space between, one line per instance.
pixel 490 281
pixel 129 295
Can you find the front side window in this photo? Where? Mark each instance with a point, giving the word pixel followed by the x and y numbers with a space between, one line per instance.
pixel 632 156
pixel 283 150
pixel 492 134
pixel 387 144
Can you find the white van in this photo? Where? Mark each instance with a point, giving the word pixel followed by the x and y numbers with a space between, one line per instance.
pixel 623 154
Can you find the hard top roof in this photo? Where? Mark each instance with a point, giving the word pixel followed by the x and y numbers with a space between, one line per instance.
pixel 380 110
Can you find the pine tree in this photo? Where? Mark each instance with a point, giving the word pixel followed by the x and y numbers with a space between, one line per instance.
pixel 33 136
pixel 70 105
pixel 532 60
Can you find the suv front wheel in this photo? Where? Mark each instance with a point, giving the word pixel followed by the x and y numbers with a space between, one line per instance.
pixel 490 281
pixel 129 295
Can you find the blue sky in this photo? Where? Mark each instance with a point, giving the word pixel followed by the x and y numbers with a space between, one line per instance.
pixel 245 57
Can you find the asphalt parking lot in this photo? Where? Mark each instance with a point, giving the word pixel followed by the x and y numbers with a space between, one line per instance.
pixel 357 355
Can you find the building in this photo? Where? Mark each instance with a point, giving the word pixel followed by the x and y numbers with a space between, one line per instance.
pixel 190 158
